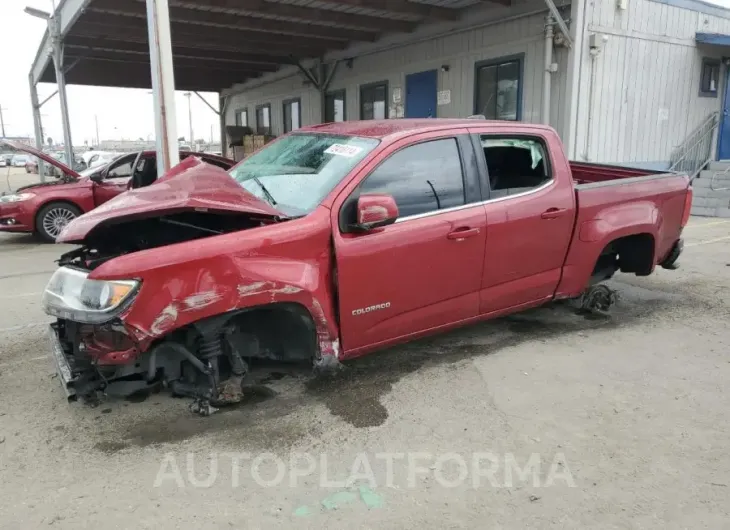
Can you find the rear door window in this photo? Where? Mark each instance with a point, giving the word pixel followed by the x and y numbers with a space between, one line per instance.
pixel 422 178
pixel 515 165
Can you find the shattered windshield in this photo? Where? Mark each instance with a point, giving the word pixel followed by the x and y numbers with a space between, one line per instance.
pixel 295 173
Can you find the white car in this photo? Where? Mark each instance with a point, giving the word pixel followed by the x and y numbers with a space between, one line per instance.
pixel 98 158
pixel 20 160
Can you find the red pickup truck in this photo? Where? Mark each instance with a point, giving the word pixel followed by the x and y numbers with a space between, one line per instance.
pixel 340 239
pixel 46 208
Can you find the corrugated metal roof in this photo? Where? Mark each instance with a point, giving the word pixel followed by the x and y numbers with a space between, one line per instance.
pixel 354 10
pixel 107 45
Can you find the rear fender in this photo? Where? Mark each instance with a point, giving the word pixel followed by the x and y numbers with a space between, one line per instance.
pixel 594 235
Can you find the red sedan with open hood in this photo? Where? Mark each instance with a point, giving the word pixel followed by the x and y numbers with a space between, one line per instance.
pixel 46 208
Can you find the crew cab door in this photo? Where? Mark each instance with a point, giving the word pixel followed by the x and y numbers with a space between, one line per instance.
pixel 530 216
pixel 424 271
pixel 116 179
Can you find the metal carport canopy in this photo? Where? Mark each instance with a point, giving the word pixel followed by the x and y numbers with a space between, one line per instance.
pixel 218 43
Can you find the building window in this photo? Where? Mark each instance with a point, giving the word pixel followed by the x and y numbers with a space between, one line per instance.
pixel 421 178
pixel 709 77
pixel 263 119
pixel 374 101
pixel 334 106
pixel 242 117
pixel 498 91
pixel 292 114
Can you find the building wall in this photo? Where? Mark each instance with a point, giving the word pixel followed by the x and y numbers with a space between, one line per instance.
pixel 460 50
pixel 647 78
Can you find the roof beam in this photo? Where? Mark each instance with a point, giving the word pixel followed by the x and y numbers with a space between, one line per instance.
pixel 313 15
pixel 404 7
pixel 122 56
pixel 179 16
pixel 137 75
pixel 220 40
pixel 182 66
pixel 178 52
pixel 236 72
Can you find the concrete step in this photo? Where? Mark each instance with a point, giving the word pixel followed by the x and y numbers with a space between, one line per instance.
pixel 705 180
pixel 719 166
pixel 710 193
pixel 703 211
pixel 710 202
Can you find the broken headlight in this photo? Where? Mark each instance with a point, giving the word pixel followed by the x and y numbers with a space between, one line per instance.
pixel 70 294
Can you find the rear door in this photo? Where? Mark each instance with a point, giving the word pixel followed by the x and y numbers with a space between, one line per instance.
pixel 530 215
pixel 425 270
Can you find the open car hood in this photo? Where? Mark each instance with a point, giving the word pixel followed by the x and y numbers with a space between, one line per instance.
pixel 18 146
pixel 192 185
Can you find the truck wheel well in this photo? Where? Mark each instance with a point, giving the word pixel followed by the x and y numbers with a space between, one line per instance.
pixel 281 332
pixel 633 254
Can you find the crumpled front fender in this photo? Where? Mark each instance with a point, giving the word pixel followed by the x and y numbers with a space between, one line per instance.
pixel 225 274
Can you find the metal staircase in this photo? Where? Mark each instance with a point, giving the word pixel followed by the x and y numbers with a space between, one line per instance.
pixel 712 191
pixel 710 180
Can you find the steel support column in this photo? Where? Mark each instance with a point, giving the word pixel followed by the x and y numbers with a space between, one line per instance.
pixel 54 29
pixel 37 125
pixel 163 84
pixel 224 135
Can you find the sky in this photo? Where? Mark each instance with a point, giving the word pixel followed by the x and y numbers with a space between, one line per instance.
pixel 122 113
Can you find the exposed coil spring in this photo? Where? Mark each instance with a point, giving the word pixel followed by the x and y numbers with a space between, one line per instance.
pixel 210 347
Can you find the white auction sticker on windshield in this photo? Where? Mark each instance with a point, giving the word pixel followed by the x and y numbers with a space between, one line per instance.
pixel 344 150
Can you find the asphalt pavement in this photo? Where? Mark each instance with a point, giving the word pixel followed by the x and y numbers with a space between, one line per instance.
pixel 542 420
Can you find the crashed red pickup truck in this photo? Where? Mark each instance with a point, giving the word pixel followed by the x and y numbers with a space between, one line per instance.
pixel 341 239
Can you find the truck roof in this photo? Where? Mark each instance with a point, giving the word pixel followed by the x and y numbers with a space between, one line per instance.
pixel 383 128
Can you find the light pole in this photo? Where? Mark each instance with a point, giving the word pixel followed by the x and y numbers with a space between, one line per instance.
pixel 2 122
pixel 190 119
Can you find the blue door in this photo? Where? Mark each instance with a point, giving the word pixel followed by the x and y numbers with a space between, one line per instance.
pixel 723 140
pixel 421 94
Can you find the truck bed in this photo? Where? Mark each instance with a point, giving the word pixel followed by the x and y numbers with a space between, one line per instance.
pixel 586 173
pixel 614 202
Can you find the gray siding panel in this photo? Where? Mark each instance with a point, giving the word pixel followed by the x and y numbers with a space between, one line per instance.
pixel 646 92
pixel 460 51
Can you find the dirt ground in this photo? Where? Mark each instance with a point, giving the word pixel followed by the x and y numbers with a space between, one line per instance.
pixel 542 420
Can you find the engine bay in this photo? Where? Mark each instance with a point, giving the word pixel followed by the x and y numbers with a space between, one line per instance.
pixel 107 242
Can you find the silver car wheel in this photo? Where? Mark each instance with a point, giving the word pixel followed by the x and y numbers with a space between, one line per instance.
pixel 56 220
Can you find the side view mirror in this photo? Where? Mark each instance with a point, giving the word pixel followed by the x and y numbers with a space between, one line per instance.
pixel 375 210
pixel 97 177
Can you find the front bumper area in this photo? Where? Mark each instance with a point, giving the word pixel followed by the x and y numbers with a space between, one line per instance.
pixel 63 363
pixel 14 218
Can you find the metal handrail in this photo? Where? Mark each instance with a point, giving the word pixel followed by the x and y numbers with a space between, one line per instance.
pixel 696 151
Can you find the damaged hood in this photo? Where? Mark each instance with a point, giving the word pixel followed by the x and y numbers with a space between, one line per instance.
pixel 19 146
pixel 192 185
